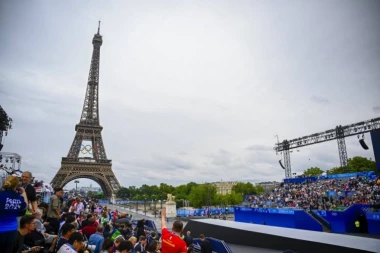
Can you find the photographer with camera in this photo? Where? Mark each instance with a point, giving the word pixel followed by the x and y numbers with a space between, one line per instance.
pixel 74 245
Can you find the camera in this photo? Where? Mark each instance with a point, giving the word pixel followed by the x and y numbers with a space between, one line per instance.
pixel 89 246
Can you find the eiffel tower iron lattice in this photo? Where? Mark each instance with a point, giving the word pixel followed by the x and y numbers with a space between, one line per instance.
pixel 88 138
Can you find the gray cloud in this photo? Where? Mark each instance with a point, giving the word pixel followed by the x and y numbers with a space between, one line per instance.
pixel 320 100
pixel 376 109
pixel 184 99
pixel 259 147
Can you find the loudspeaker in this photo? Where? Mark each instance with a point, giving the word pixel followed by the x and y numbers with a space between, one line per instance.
pixel 282 166
pixel 363 144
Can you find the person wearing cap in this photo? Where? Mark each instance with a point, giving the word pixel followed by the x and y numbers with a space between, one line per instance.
pixel 12 204
pixel 74 245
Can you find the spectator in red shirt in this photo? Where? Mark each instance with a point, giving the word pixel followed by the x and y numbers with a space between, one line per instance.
pixel 89 230
pixel 171 241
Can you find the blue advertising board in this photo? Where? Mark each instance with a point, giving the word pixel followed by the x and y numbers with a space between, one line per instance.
pixel 343 221
pixel 289 218
pixel 373 221
pixel 299 180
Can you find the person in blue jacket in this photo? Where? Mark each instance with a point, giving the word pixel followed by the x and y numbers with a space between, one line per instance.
pixel 12 204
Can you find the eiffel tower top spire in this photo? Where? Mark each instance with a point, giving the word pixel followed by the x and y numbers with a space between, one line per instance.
pixel 90 112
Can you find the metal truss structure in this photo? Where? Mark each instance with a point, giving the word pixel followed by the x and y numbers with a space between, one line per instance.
pixel 9 162
pixel 97 167
pixel 339 133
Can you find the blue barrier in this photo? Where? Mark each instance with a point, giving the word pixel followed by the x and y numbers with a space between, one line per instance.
pixel 288 218
pixel 204 212
pixel 218 246
pixel 335 218
pixel 299 180
pixel 343 221
pixel 103 201
pixel 373 221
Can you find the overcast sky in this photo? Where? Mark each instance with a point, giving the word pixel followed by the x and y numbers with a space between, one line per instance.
pixel 190 90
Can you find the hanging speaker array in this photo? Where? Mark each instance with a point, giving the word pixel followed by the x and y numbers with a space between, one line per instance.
pixel 282 166
pixel 363 144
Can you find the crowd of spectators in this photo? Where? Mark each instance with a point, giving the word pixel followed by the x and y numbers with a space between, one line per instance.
pixel 76 224
pixel 325 194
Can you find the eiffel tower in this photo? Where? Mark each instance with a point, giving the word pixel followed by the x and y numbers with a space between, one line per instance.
pixel 87 156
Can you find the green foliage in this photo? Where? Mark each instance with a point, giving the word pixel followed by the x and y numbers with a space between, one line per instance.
pixel 259 189
pixel 98 196
pixel 337 170
pixel 355 164
pixel 228 199
pixel 247 189
pixel 123 193
pixel 165 189
pixel 313 171
pixel 180 192
pixel 359 163
pixel 202 195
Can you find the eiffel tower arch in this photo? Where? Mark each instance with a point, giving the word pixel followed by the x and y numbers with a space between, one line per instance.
pixel 87 156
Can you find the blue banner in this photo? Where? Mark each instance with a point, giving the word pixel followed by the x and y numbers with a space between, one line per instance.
pixel 299 180
pixel 273 210
pixel 373 216
pixel 288 218
pixel 373 220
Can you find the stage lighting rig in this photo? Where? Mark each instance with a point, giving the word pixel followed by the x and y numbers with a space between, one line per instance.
pixel 13 158
pixel 338 133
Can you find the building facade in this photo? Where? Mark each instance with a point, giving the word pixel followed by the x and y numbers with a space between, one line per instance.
pixel 224 188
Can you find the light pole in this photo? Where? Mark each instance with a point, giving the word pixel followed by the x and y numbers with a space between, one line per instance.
pixel 154 203
pixel 76 185
pixel 145 206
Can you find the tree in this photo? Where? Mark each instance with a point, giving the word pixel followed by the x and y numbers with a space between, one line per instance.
pixel 355 164
pixel 190 186
pixel 359 163
pixel 123 193
pixel 259 189
pixel 165 189
pixel 313 171
pixel 180 192
pixel 244 188
pixel 89 194
pixel 336 170
pixel 202 195
pixel 228 199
